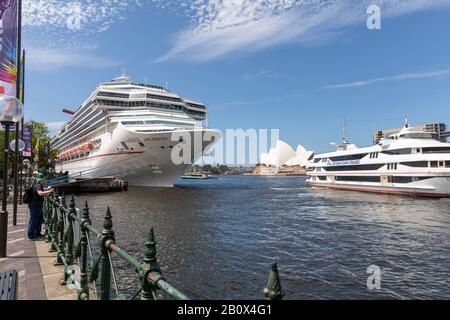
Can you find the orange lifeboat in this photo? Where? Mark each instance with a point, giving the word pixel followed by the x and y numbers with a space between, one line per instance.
pixel 83 148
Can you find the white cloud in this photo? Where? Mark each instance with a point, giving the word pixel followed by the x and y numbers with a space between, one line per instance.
pixel 403 77
pixel 261 74
pixel 57 125
pixel 94 15
pixel 63 33
pixel 221 27
pixel 50 59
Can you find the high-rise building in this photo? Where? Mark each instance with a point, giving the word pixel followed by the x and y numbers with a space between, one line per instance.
pixel 439 128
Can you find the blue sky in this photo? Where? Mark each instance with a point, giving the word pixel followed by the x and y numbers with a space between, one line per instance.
pixel 298 66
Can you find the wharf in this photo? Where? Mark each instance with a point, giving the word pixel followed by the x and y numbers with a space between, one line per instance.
pixel 89 185
pixel 38 276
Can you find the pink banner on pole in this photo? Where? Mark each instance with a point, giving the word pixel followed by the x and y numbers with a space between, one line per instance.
pixel 8 47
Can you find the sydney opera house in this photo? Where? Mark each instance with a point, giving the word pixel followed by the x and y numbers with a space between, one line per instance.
pixel 283 160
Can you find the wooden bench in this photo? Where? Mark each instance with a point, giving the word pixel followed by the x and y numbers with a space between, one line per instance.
pixel 8 285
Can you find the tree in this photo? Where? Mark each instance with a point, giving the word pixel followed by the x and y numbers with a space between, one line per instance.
pixel 41 134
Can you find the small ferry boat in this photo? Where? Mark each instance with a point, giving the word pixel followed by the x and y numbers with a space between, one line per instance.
pixel 198 176
pixel 412 162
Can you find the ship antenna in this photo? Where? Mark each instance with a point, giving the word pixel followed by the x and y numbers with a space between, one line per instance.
pixel 344 131
pixel 406 122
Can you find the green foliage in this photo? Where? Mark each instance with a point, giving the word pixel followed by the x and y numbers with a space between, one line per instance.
pixel 219 169
pixel 41 134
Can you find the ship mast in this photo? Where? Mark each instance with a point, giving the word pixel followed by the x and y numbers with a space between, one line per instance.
pixel 344 131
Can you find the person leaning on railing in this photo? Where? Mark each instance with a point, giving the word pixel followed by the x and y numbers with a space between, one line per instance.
pixel 36 208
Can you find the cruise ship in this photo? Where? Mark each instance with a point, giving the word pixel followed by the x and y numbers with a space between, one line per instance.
pixel 411 162
pixel 131 131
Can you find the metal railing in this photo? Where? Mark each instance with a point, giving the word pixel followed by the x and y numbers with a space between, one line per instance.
pixel 70 233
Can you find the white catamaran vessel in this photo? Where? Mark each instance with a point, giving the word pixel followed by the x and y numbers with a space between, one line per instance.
pixel 411 162
pixel 126 130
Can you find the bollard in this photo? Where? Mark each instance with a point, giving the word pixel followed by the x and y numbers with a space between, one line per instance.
pixel 107 237
pixel 273 289
pixel 150 266
pixel 86 220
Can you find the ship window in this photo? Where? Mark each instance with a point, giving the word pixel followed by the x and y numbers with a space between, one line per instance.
pixel 124 145
pixel 447 164
pixel 349 157
pixel 441 164
pixel 407 179
pixel 434 164
pixel 398 151
pixel 416 164
pixel 322 178
pixel 402 179
pixel 113 95
pixel 367 167
pixel 132 123
pixel 358 179
pixel 141 144
pixel 420 135
pixel 436 150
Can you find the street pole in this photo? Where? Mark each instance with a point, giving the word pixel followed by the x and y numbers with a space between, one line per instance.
pixel 16 175
pixel 18 96
pixel 22 126
pixel 4 212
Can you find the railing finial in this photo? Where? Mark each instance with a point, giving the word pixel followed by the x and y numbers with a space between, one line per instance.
pixel 273 289
pixel 150 256
pixel 108 224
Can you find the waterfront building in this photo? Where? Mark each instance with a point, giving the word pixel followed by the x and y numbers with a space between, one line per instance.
pixel 439 128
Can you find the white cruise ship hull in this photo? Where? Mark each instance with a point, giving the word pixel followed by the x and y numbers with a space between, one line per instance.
pixel 147 161
pixel 438 187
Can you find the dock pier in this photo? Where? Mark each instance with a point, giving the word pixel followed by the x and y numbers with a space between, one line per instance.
pixel 71 185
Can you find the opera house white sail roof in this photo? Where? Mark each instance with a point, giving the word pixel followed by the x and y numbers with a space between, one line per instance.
pixel 284 155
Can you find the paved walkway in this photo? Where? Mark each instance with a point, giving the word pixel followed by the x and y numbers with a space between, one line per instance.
pixel 38 277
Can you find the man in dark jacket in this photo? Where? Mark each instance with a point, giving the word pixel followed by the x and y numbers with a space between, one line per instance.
pixel 36 206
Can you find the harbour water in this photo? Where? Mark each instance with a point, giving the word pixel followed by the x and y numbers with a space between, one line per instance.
pixel 217 239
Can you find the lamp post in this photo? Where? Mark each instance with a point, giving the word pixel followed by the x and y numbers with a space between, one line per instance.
pixel 11 111
pixel 16 147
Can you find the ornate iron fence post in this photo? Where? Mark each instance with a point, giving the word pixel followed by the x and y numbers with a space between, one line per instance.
pixel 107 237
pixel 86 220
pixel 71 215
pixel 48 218
pixel 62 208
pixel 54 225
pixel 150 266
pixel 273 289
